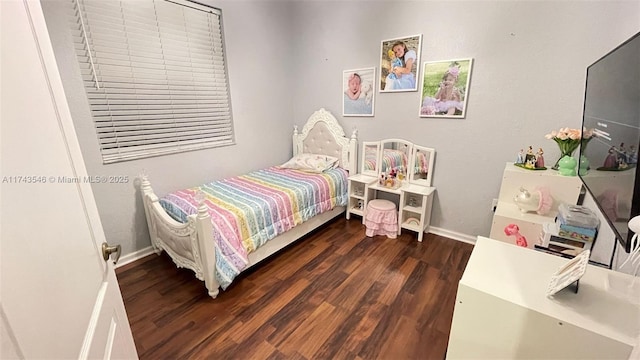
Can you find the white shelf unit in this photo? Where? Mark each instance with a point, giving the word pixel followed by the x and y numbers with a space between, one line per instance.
pixel 563 189
pixel 419 208
pixel 359 194
pixel 502 311
pixel 416 204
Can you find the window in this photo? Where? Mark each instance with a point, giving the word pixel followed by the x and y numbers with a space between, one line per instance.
pixel 155 76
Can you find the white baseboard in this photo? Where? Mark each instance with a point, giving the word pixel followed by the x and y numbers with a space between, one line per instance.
pixel 129 258
pixel 453 235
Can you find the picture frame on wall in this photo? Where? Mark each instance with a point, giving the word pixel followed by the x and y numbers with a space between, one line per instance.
pixel 399 63
pixel 358 92
pixel 445 88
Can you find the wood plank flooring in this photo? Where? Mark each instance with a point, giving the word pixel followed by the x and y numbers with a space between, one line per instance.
pixel 336 294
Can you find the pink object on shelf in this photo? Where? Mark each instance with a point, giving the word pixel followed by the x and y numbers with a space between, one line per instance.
pixel 514 230
pixel 381 218
pixel 546 201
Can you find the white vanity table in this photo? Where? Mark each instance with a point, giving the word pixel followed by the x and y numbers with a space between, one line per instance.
pixel 414 206
pixel 414 196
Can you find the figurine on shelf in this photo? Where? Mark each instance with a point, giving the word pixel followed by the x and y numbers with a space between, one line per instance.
pixel 520 158
pixel 529 155
pixel 530 160
pixel 531 163
pixel 514 230
pixel 540 158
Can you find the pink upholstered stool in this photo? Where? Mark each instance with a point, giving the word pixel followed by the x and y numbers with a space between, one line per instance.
pixel 381 218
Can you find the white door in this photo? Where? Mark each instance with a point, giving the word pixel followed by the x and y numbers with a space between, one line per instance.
pixel 58 298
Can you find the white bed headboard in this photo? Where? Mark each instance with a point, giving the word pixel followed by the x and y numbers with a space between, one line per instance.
pixel 323 135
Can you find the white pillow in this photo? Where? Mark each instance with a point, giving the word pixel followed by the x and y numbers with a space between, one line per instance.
pixel 311 163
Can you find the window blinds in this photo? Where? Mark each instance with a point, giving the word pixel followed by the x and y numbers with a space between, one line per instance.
pixel 155 76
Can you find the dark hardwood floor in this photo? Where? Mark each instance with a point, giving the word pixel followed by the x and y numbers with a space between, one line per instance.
pixel 336 294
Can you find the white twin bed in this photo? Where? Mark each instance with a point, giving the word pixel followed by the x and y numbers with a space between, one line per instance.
pixel 222 228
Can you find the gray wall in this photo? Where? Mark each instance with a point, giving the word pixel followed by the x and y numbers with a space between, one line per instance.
pixel 285 60
pixel 528 77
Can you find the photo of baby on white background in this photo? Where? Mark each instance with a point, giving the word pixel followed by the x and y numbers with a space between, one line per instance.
pixel 445 87
pixel 358 92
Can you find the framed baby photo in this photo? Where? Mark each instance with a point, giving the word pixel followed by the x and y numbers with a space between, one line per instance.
pixel 358 93
pixel 399 63
pixel 445 88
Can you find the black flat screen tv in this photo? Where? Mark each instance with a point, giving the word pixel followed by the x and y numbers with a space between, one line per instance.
pixel 612 112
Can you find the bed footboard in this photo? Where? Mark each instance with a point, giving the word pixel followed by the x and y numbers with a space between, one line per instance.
pixel 189 245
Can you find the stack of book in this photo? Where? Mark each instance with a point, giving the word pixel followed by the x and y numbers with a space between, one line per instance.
pixel 574 230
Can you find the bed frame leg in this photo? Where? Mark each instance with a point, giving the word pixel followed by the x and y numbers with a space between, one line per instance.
pixel 214 293
pixel 206 245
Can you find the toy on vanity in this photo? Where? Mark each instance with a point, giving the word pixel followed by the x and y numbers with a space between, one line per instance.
pixel 392 179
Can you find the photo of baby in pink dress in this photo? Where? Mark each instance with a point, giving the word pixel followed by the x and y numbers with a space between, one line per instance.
pixel 444 88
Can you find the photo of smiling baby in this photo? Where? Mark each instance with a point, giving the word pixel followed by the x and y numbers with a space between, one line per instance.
pixel 358 92
pixel 445 87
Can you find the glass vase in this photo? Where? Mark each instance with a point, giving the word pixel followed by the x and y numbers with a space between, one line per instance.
pixel 567 166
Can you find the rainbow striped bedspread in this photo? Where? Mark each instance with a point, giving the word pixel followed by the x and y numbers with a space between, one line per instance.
pixel 247 211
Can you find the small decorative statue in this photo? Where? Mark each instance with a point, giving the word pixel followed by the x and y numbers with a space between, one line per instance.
pixel 531 163
pixel 539 200
pixel 514 230
pixel 526 201
pixel 530 160
pixel 540 158
pixel 530 155
pixel 520 158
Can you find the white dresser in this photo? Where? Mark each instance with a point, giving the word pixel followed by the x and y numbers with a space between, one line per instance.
pixel 502 311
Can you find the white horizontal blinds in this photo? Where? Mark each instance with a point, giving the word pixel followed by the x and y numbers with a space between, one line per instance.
pixel 155 76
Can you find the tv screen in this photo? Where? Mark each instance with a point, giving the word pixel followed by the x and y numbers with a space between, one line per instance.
pixel 608 166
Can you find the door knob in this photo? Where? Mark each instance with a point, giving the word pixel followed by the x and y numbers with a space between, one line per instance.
pixel 108 250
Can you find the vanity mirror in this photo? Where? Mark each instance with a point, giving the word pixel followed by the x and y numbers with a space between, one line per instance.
pixel 394 155
pixel 422 159
pixel 369 163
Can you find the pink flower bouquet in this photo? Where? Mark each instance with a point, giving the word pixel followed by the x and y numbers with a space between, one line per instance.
pixel 568 140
